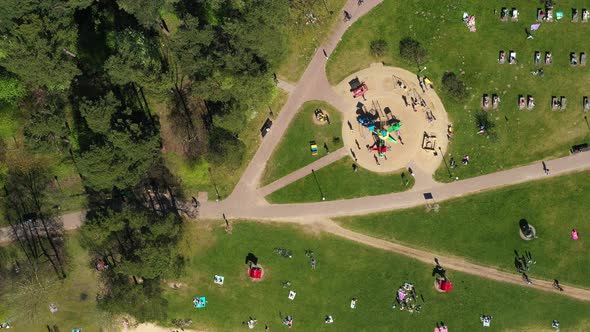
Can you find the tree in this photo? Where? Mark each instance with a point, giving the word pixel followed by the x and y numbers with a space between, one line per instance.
pixel 123 144
pixel 35 52
pixel 378 48
pixel 230 59
pixel 147 12
pixel 45 125
pixel 11 88
pixel 140 244
pixel 32 221
pixel 137 59
pixel 454 86
pixel 411 50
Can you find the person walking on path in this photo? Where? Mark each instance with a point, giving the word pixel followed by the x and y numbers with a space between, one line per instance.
pixel 325 53
pixel 525 277
pixel 545 169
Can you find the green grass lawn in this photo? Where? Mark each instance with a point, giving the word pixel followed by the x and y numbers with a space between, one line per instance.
pixel 345 270
pixel 303 39
pixel 518 137
pixel 339 181
pixel 195 177
pixel 293 151
pixel 484 227
pixel 26 305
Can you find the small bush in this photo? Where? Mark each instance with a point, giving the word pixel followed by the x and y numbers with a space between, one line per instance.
pixel 411 50
pixel 378 48
pixel 225 148
pixel 454 86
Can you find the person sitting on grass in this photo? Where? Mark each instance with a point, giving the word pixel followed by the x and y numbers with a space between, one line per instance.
pixel 329 319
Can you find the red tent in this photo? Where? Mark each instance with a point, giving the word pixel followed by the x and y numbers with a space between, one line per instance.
pixel 445 285
pixel 255 272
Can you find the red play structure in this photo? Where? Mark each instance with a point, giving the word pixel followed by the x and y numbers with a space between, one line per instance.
pixel 358 88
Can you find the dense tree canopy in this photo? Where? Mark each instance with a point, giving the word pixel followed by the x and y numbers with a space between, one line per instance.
pixel 91 81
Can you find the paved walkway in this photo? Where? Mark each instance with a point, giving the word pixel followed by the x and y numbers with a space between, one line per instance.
pixel 70 221
pixel 303 172
pixel 254 208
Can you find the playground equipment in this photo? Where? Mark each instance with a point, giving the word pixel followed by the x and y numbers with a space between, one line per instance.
pixel 429 141
pixel 313 147
pixel 384 134
pixel 320 115
pixel 358 88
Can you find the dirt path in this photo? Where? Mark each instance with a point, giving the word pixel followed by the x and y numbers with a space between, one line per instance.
pixel 453 263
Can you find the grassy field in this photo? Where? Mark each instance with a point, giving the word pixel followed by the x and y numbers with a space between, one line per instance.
pixel 293 151
pixel 484 227
pixel 517 137
pixel 26 304
pixel 195 177
pixel 305 38
pixel 345 270
pixel 339 181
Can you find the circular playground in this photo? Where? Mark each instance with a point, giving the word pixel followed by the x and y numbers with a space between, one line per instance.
pixel 395 119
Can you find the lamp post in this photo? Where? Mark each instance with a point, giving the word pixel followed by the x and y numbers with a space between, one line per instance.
pixel 445 161
pixel 318 183
pixel 214 185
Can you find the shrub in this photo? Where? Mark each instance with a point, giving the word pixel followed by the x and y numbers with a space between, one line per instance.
pixel 378 48
pixel 411 50
pixel 454 86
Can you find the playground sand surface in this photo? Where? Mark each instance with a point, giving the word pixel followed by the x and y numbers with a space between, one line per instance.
pixel 384 92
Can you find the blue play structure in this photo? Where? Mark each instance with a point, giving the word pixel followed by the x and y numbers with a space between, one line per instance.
pixel 200 302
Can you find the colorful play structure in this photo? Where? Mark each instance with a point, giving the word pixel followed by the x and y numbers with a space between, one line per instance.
pixel 320 115
pixel 380 123
pixel 358 88
pixel 313 147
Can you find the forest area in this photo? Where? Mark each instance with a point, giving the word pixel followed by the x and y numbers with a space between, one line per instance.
pixel 98 99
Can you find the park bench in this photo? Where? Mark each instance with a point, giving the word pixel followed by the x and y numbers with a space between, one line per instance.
pixel 266 127
pixel 580 148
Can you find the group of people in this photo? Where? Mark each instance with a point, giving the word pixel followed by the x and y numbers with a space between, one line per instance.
pixel 406 298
